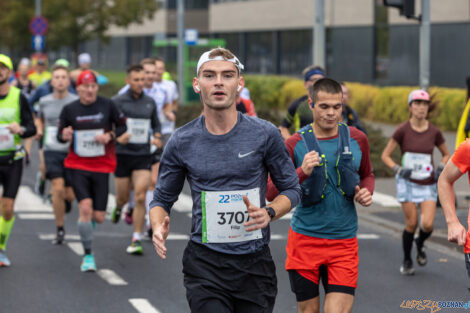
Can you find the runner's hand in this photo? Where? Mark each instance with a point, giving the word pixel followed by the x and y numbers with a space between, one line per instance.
pixel 456 233
pixel 124 138
pixel 67 133
pixel 363 196
pixel 160 233
pixel 402 172
pixel 157 142
pixel 259 217
pixel 39 134
pixel 14 128
pixel 311 160
pixel 103 138
pixel 170 116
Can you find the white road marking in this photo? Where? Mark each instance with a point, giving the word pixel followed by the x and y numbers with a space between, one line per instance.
pixel 76 247
pixel 28 201
pixel 52 236
pixel 184 203
pixel 143 306
pixel 384 200
pixel 36 216
pixel 111 277
pixel 277 237
pixel 368 236
pixel 177 237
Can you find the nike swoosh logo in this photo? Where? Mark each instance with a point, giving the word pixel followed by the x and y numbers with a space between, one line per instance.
pixel 245 154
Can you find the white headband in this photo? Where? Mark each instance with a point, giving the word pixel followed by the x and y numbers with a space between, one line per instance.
pixel 205 58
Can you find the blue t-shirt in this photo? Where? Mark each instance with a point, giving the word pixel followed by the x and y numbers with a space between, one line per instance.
pixel 238 160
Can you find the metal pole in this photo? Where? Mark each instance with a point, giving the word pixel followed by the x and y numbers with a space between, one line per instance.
pixel 425 45
pixel 319 34
pixel 180 57
pixel 38 7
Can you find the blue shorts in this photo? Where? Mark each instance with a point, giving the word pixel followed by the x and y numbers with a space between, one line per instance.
pixel 408 191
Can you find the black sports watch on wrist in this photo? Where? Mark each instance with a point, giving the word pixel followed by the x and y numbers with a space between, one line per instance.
pixel 270 211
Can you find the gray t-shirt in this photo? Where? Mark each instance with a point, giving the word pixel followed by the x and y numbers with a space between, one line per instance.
pixel 49 111
pixel 238 160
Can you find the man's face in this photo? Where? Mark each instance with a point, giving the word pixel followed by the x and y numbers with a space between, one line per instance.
pixel 218 82
pixel 4 74
pixel 150 74
pixel 85 66
pixel 41 68
pixel 87 92
pixel 312 80
pixel 60 80
pixel 345 94
pixel 23 70
pixel 136 81
pixel 327 110
pixel 159 69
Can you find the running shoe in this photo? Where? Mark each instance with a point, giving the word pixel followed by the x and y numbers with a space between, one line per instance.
pixel 4 262
pixel 68 206
pixel 128 216
pixel 59 237
pixel 421 257
pixel 135 248
pixel 39 185
pixel 88 263
pixel 116 215
pixel 407 268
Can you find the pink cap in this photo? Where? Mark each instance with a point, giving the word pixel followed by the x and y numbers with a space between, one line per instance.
pixel 418 94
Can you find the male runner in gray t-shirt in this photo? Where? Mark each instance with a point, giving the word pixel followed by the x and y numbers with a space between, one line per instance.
pixel 55 152
pixel 226 158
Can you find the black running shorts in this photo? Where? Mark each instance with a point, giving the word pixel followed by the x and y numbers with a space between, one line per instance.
pixel 126 164
pixel 92 185
pixel 10 178
pixel 55 166
pixel 223 283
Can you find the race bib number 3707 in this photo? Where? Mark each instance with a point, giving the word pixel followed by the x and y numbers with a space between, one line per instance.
pixel 224 213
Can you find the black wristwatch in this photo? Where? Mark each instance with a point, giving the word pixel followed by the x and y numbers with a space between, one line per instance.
pixel 270 211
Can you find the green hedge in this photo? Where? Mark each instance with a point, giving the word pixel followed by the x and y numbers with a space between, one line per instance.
pixel 381 104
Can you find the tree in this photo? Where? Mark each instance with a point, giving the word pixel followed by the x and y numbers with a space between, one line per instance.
pixel 70 22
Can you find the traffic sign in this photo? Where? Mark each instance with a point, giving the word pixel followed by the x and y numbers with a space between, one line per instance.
pixel 37 42
pixel 190 36
pixel 38 25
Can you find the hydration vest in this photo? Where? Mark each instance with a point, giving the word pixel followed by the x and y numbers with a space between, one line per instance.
pixel 313 187
pixel 9 113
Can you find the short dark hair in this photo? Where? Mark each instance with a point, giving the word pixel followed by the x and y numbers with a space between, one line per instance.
pixel 134 68
pixel 59 67
pixel 327 85
pixel 158 59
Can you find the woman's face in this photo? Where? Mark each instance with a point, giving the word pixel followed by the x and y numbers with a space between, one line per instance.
pixel 419 109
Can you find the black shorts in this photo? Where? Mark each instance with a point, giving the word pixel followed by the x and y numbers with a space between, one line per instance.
pixel 55 166
pixel 222 283
pixel 157 155
pixel 92 185
pixel 10 178
pixel 126 164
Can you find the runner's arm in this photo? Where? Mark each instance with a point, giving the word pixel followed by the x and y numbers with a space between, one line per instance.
pixel 365 172
pixel 456 232
pixel 119 120
pixel 386 154
pixel 445 152
pixel 26 119
pixel 63 123
pixel 282 173
pixel 160 222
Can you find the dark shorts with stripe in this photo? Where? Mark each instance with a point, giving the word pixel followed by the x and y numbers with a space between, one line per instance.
pixel 92 185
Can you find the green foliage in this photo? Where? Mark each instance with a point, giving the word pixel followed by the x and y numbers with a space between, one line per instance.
pixel 14 23
pixel 265 90
pixel 290 91
pixel 377 143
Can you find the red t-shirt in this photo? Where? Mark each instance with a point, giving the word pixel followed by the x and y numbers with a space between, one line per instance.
pixel 461 159
pixel 412 141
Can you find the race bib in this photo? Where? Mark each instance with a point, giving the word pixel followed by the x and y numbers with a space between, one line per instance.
pixel 223 216
pixel 51 142
pixel 84 143
pixel 139 130
pixel 420 163
pixel 7 139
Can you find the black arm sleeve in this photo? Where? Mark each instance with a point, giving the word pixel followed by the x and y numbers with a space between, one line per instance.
pixel 26 118
pixel 118 119
pixel 63 123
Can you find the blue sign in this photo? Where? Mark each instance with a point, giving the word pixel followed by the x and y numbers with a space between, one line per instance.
pixel 38 25
pixel 191 36
pixel 37 42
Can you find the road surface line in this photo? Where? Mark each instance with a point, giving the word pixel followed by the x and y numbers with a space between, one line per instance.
pixel 143 306
pixel 52 236
pixel 36 216
pixel 76 247
pixel 111 277
pixel 184 204
pixel 368 236
pixel 28 201
pixel 384 200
